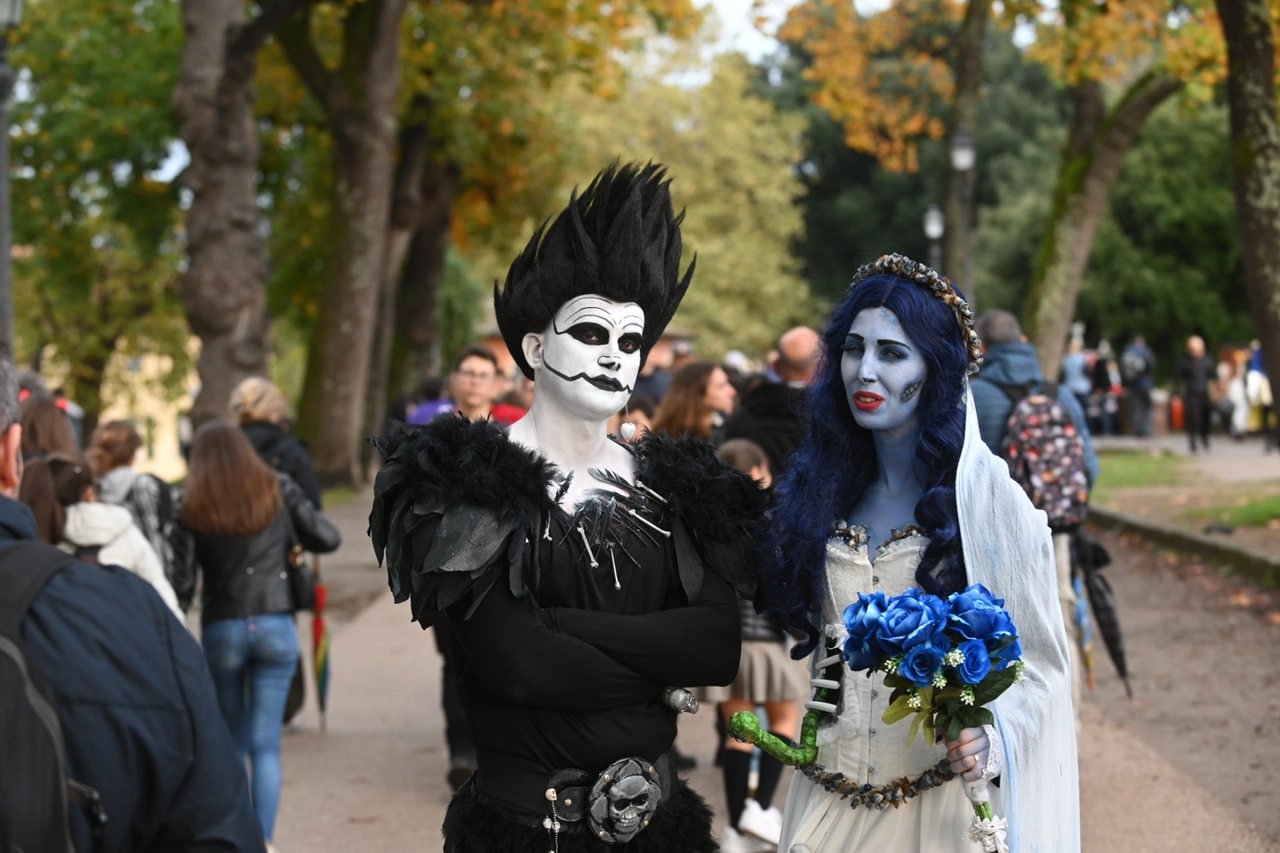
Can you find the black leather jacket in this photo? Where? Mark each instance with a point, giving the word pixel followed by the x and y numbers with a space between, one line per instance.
pixel 248 575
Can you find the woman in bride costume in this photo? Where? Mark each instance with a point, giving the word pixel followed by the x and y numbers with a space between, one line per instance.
pixel 894 458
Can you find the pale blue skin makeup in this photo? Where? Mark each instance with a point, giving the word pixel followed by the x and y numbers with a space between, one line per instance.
pixel 881 361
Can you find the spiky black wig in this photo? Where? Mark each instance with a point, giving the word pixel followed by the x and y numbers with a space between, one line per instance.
pixel 620 239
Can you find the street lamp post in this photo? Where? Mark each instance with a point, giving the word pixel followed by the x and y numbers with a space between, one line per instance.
pixel 10 17
pixel 935 225
pixel 964 156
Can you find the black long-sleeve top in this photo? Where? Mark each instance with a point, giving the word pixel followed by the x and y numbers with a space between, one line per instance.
pixel 574 680
pixel 567 628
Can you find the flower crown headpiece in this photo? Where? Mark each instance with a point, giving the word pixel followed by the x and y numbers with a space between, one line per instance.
pixel 937 284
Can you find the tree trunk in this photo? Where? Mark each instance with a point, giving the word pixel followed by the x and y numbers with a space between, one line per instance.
pixel 1097 143
pixel 406 203
pixel 957 245
pixel 224 288
pixel 1255 141
pixel 359 100
pixel 417 318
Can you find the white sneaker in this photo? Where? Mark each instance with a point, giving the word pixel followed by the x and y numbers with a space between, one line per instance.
pixel 733 842
pixel 765 824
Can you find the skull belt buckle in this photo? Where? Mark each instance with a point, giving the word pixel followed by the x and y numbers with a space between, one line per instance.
pixel 623 800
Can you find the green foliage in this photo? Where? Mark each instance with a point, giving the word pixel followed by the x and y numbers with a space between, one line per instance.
pixel 1167 263
pixel 98 267
pixel 855 210
pixel 459 307
pixel 732 157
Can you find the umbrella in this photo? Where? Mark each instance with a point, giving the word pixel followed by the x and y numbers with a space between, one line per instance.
pixel 1084 631
pixel 320 645
pixel 1093 557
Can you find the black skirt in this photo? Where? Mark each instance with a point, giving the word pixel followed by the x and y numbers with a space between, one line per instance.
pixel 682 825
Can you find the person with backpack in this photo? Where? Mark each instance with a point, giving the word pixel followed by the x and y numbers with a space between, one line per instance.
pixel 242 525
pixel 1040 429
pixel 59 489
pixel 110 738
pixel 1138 372
pixel 148 498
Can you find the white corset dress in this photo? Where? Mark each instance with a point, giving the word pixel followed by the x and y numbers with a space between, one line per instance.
pixel 859 744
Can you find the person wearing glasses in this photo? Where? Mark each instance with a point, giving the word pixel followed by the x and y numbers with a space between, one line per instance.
pixel 475 382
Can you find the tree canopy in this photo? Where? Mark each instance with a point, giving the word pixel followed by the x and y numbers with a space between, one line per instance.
pixel 97 269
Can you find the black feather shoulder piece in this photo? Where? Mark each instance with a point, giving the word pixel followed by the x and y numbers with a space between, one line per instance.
pixel 718 502
pixel 717 506
pixel 448 499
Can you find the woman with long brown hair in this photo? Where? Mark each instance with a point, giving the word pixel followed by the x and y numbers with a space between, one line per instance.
pixel 697 401
pixel 238 522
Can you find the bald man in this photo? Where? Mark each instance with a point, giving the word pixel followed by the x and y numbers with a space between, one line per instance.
pixel 1196 373
pixel 772 411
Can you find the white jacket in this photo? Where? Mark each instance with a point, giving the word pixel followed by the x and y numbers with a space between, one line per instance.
pixel 111 529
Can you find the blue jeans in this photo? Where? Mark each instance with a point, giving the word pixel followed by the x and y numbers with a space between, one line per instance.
pixel 252 661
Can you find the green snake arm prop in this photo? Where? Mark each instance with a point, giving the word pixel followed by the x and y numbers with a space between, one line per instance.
pixel 745 726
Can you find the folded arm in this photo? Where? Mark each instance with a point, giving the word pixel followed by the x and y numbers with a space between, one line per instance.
pixel 686 646
pixel 521 660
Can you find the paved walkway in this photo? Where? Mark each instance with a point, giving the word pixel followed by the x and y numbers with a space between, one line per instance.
pixel 375 779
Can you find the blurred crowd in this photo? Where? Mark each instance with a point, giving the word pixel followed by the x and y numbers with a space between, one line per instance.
pixel 164 729
pixel 1120 395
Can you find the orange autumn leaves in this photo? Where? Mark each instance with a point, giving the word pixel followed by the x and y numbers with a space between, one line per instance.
pixel 887 76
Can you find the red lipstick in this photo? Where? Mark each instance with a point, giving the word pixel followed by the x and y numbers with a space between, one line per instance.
pixel 867 401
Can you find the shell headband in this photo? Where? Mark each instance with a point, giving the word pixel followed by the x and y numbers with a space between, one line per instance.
pixel 937 284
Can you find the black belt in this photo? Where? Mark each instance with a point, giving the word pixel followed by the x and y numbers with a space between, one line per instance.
pixel 614 805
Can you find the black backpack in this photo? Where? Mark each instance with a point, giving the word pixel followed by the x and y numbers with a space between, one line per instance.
pixel 34 788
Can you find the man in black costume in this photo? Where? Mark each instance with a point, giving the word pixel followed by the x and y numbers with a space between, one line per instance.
pixel 586 582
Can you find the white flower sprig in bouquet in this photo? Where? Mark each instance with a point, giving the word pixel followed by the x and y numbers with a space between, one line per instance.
pixel 945 660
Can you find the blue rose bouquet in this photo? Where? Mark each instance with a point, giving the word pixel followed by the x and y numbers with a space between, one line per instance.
pixel 945 661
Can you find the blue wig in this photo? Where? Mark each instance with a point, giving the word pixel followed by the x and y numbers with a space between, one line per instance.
pixel 837 460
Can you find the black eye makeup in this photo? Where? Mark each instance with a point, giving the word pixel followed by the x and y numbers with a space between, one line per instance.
pixel 852 343
pixel 590 334
pixel 629 343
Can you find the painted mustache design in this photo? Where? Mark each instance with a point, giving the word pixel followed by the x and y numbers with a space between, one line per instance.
pixel 604 383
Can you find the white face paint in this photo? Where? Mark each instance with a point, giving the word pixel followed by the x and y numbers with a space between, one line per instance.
pixel 587 360
pixel 883 371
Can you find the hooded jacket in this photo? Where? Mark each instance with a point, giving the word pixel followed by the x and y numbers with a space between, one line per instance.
pixel 1016 364
pixel 138 712
pixel 119 542
pixel 150 501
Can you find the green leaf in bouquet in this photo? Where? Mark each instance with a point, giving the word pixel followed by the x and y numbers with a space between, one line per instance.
pixel 954 725
pixel 972 717
pixel 996 682
pixel 1001 644
pixel 894 681
pixel 898 709
pixel 949 694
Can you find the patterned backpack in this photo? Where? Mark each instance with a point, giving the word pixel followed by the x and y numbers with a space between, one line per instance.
pixel 1045 455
